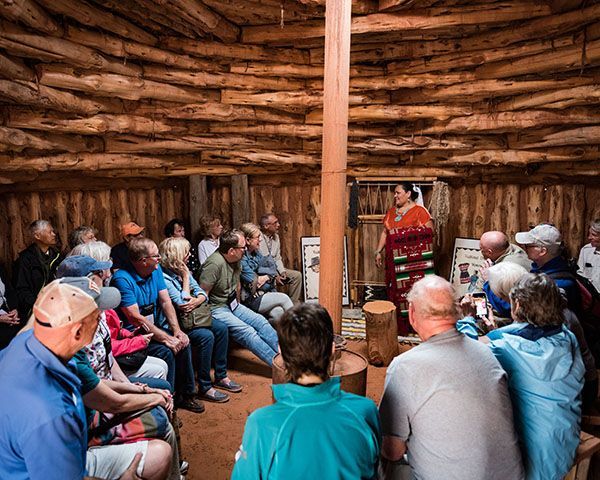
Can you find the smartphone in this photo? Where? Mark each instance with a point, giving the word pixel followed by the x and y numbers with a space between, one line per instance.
pixel 480 305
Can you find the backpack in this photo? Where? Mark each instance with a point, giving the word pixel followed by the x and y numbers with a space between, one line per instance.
pixel 590 297
pixel 589 312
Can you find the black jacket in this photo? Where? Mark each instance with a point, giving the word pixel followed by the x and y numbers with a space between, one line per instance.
pixel 32 271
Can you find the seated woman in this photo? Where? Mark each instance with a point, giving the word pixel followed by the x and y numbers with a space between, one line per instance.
pixel 176 228
pixel 210 229
pixel 258 279
pixel 546 374
pixel 209 335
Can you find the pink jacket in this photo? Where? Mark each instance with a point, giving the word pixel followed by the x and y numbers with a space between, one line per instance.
pixel 123 341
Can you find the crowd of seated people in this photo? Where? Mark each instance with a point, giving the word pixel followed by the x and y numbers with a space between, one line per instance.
pixel 108 347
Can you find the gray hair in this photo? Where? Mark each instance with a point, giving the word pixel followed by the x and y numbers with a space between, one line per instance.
pixel 99 251
pixel 595 225
pixel 435 297
pixel 38 225
pixel 503 275
pixel 536 299
pixel 76 236
pixel 553 250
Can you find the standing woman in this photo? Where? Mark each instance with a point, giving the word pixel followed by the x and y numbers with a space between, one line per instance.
pixel 258 278
pixel 211 229
pixel 406 213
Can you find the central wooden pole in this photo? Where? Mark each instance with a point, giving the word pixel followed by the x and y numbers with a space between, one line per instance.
pixel 335 142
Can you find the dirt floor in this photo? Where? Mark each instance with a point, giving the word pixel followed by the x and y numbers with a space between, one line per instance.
pixel 209 440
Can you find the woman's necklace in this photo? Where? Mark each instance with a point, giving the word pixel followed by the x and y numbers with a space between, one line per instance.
pixel 400 213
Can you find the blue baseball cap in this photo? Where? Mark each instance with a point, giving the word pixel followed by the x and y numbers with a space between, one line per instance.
pixel 80 266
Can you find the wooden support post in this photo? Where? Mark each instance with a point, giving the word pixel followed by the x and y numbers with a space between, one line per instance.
pixel 240 200
pixel 335 142
pixel 198 198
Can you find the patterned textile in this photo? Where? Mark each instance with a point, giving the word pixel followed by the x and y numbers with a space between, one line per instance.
pixel 149 425
pixel 408 257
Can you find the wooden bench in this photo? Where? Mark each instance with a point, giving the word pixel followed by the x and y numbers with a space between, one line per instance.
pixel 588 445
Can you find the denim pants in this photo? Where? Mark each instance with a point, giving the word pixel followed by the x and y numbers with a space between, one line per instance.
pixel 212 343
pixel 251 330
pixel 181 363
pixel 152 382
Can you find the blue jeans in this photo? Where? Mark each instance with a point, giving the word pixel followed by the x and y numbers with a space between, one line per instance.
pixel 152 382
pixel 181 363
pixel 251 330
pixel 212 343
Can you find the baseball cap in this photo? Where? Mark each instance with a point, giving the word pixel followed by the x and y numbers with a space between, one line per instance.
pixel 70 299
pixel 80 266
pixel 543 235
pixel 131 228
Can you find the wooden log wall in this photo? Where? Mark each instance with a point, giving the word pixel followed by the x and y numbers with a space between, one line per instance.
pixel 151 206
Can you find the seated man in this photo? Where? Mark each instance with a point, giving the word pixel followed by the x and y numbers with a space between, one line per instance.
pixel 44 424
pixel 543 245
pixel 271 245
pixel 446 401
pixel 496 248
pixel 220 279
pixel 120 252
pixel 589 256
pixel 36 266
pixel 144 300
pixel 314 430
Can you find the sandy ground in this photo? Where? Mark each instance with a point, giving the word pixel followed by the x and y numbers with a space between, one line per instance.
pixel 209 440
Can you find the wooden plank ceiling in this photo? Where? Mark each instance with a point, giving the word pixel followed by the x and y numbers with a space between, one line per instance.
pixel 158 88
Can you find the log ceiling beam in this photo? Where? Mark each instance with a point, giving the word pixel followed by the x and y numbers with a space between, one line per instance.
pixel 149 14
pixel 218 80
pixel 417 20
pixel 121 86
pixel 359 7
pixel 31 14
pixel 91 16
pixel 204 18
pixel 41 96
pixel 25 44
pixel 15 140
pixel 234 52
pixel 13 68
pixel 123 48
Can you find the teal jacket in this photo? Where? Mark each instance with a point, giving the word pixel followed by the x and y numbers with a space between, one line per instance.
pixel 311 432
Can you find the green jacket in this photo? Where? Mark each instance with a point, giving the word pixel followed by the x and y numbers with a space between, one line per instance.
pixel 311 432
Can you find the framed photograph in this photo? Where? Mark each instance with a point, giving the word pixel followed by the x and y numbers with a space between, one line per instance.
pixel 466 265
pixel 311 265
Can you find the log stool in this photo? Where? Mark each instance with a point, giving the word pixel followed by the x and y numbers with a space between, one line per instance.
pixel 382 331
pixel 588 445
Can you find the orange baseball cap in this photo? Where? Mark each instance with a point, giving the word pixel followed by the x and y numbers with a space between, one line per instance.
pixel 131 228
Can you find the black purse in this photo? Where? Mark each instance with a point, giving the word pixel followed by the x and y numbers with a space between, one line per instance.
pixel 131 362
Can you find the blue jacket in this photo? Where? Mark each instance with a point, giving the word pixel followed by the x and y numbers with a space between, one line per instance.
pixel 44 430
pixel 311 433
pixel 559 264
pixel 545 378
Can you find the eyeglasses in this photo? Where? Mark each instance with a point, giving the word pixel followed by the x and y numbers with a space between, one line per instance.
pixel 243 248
pixel 155 257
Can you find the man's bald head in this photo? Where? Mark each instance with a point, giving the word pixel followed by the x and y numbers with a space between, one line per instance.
pixel 433 299
pixel 493 244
